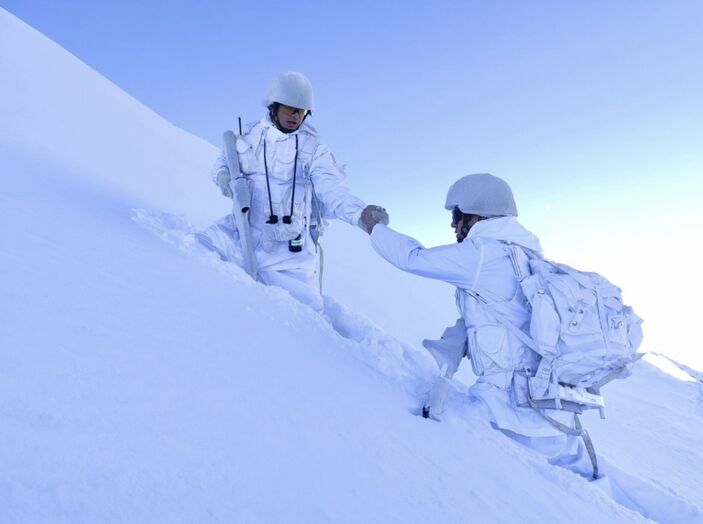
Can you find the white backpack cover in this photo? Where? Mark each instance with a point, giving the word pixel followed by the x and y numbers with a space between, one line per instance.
pixel 579 325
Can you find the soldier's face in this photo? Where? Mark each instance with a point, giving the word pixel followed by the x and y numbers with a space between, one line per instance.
pixel 290 117
pixel 468 221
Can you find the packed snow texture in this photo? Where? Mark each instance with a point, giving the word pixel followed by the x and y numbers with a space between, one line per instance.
pixel 144 380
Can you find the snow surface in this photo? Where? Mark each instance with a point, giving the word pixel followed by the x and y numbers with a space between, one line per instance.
pixel 144 380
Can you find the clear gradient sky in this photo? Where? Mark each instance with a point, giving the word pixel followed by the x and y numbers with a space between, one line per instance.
pixel 592 110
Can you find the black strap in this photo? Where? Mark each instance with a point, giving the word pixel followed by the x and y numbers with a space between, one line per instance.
pixel 295 172
pixel 273 219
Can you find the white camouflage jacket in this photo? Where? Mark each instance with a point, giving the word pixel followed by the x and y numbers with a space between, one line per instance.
pixel 481 266
pixel 321 190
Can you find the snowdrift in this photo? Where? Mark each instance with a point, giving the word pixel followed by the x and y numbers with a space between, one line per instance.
pixel 144 380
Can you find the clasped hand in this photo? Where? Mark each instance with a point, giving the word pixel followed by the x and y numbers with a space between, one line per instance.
pixel 372 215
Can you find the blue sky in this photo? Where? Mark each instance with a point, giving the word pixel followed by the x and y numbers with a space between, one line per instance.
pixel 411 95
pixel 592 110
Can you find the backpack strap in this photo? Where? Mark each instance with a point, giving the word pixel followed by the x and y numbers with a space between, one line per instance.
pixel 577 431
pixel 616 373
pixel 490 306
pixel 543 374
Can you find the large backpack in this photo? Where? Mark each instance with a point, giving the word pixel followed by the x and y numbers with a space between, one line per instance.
pixel 583 333
pixel 579 325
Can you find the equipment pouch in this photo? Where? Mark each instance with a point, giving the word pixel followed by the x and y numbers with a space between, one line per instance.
pixel 490 350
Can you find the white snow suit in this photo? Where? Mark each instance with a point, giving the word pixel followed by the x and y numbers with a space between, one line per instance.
pixel 321 193
pixel 481 264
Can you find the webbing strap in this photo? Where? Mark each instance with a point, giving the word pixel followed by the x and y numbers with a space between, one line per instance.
pixel 608 378
pixel 519 333
pixel 561 427
pixel 602 318
pixel 578 431
pixel 614 374
pixel 322 266
pixel 589 446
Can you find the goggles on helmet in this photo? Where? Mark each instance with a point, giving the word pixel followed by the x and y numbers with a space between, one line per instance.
pixel 292 110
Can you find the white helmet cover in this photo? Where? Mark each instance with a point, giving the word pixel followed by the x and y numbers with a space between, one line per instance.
pixel 482 194
pixel 291 89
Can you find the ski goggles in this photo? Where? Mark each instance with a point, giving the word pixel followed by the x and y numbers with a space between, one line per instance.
pixel 457 215
pixel 292 110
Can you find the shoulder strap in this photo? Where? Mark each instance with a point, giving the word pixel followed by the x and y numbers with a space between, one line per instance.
pixel 490 307
pixel 520 262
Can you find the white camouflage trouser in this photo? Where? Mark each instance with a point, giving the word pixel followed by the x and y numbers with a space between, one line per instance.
pixel 303 284
pixel 300 283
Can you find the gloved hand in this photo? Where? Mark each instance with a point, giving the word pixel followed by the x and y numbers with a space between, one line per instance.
pixel 372 215
pixel 223 180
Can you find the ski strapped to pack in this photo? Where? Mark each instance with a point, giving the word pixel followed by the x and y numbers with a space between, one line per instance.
pixel 241 197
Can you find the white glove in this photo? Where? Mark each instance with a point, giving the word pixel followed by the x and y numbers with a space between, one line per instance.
pixel 372 215
pixel 223 179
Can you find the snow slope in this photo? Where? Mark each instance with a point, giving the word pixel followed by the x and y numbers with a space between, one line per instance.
pixel 143 380
pixel 54 106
